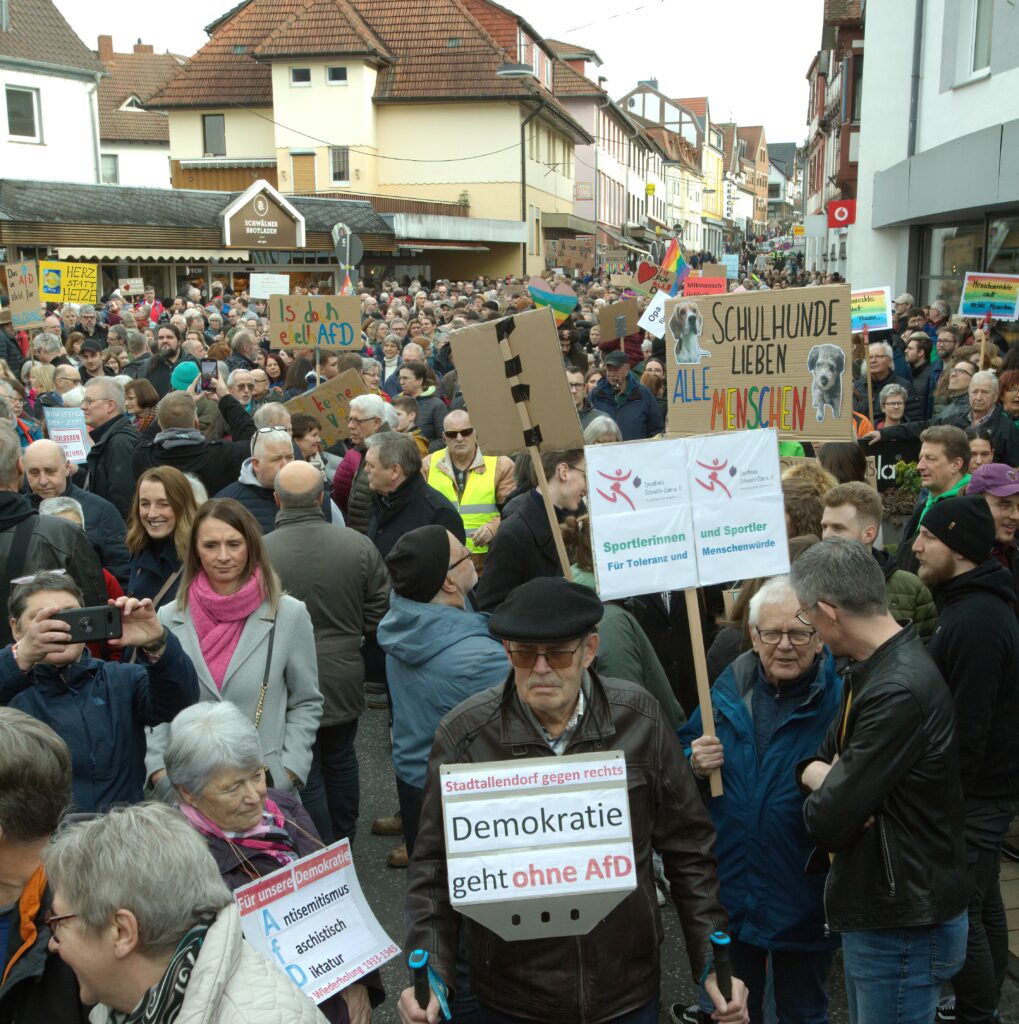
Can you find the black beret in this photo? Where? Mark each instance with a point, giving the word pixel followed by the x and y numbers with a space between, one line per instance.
pixel 546 609
pixel 419 562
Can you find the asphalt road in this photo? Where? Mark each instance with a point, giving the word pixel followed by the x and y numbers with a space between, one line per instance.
pixel 384 889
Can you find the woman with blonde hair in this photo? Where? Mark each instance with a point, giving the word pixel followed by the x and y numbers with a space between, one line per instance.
pixel 250 644
pixel 158 533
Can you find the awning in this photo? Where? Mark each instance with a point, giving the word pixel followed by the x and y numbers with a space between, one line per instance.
pixel 229 161
pixel 139 255
pixel 443 246
pixel 635 248
pixel 567 222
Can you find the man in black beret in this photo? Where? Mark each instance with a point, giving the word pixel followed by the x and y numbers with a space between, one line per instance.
pixel 976 647
pixel 553 703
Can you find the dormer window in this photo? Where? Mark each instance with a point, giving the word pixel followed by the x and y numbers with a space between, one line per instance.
pixel 132 103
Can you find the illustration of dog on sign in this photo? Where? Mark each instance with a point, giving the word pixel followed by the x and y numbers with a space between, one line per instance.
pixel 826 364
pixel 685 327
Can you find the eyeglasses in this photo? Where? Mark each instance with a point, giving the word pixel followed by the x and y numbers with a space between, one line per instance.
pixel 451 435
pixel 961 369
pixel 269 430
pixel 243 387
pixel 51 921
pixel 797 637
pixel 459 561
pixel 577 387
pixel 527 657
pixel 366 419
pixel 801 615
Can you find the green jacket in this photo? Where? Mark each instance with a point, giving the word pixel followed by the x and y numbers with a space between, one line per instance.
pixel 908 597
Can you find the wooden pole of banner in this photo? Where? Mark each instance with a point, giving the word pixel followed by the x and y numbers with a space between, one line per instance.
pixel 318 359
pixel 700 666
pixel 870 386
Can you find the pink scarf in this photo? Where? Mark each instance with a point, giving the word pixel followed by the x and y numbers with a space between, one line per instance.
pixel 219 619
pixel 269 836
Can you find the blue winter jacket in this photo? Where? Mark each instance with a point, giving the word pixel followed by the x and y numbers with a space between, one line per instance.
pixel 151 568
pixel 638 415
pixel 762 845
pixel 436 657
pixel 100 710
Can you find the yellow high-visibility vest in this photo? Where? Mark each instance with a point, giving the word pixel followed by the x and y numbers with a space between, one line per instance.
pixel 477 504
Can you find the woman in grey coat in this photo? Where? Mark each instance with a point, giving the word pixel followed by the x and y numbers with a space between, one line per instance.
pixel 250 644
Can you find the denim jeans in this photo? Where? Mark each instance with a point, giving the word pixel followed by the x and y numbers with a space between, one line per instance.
pixel 978 985
pixel 647 1014
pixel 894 975
pixel 332 794
pixel 800 983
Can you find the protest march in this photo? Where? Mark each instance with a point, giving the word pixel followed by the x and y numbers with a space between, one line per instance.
pixel 484 543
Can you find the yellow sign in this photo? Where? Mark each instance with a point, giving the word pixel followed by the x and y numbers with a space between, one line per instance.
pixel 68 282
pixel 799 231
pixel 649 188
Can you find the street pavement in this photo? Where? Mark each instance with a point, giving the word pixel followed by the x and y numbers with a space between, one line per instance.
pixel 384 888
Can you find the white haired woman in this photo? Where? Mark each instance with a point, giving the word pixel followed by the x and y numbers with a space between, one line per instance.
pixel 214 762
pixel 151 931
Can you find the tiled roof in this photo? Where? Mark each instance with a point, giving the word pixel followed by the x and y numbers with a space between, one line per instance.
pixel 322 27
pixel 753 136
pixel 498 23
pixel 675 147
pixel 783 156
pixel 67 203
pixel 134 74
pixel 417 38
pixel 37 32
pixel 697 105
pixel 842 12
pixel 567 81
pixel 570 51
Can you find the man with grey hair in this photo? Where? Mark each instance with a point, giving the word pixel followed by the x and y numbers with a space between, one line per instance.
pixel 272 448
pixel 987 413
pixel 940 314
pixel 345 587
pixel 141 355
pixel 402 499
pixel 884 799
pixel 880 361
pixel 114 440
pixel 244 349
pixel 49 349
pixel 89 325
pixel 35 792
pixel 147 924
pixel 241 386
pixel 366 416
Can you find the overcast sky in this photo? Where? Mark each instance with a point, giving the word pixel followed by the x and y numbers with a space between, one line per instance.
pixel 748 56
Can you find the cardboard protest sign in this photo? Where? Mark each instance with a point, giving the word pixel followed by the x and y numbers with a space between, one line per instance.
pixel 618 319
pixel 731 263
pixel 747 361
pixel 23 294
pixel 650 278
pixel 265 286
pixel 871 308
pixel 622 280
pixel 69 282
pixel 312 921
pixel 331 322
pixel 538 848
pixel 653 320
pixel 66 426
pixel 329 403
pixel 713 270
pixel 705 286
pixel 994 294
pixel 685 512
pixel 562 299
pixel 576 254
pixel 537 361
pixel 131 285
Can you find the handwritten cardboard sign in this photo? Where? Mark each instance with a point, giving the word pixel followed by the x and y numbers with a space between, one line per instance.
pixel 69 282
pixel 871 308
pixel 653 320
pixel 131 285
pixel 23 293
pixel 312 921
pixel 265 286
pixel 618 319
pixel 481 368
pixel 762 359
pixel 330 322
pixel 994 294
pixel 548 852
pixel 329 403
pixel 66 426
pixel 704 286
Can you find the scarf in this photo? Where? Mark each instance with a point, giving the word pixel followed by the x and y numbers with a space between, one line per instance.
pixel 219 619
pixel 162 1003
pixel 950 493
pixel 269 836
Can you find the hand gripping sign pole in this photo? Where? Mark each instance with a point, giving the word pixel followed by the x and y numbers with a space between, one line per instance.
pixel 700 668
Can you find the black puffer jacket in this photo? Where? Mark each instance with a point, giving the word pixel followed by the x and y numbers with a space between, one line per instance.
pixel 109 462
pixel 976 647
pixel 414 503
pixel 898 764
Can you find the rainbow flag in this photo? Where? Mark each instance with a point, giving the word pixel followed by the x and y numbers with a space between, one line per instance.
pixel 674 263
pixel 346 288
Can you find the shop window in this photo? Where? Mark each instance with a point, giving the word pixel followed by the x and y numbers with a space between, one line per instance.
pixel 110 169
pixel 23 121
pixel 947 253
pixel 339 162
pixel 214 135
pixel 983 19
pixel 300 77
pixel 336 76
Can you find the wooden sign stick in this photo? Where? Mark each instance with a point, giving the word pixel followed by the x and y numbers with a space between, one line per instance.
pixel 700 665
pixel 870 386
pixel 532 450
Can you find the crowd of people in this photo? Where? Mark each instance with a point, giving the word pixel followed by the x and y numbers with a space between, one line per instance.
pixel 270 588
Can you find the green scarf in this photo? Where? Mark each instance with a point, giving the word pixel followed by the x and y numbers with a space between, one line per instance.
pixel 950 493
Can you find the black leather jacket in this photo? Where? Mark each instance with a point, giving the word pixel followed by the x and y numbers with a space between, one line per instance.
pixel 614 968
pixel 898 764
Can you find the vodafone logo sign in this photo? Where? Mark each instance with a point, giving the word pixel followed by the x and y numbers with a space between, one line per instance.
pixel 841 213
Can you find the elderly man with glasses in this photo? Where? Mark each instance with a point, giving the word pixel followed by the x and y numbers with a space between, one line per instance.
pixel 114 440
pixel 478 485
pixel 552 702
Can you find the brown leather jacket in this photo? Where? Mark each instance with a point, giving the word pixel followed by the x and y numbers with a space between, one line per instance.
pixel 614 968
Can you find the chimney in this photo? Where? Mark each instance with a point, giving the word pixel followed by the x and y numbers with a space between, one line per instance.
pixel 105 48
pixel 141 47
pixel 651 83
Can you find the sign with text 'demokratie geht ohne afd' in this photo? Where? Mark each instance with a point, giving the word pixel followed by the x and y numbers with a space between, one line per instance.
pixel 748 361
pixel 261 218
pixel 538 847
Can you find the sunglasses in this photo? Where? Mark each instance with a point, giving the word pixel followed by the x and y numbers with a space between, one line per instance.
pixel 451 435
pixel 527 657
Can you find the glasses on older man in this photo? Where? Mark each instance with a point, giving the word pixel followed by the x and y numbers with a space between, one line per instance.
pixel 527 657
pixel 797 637
pixel 51 920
